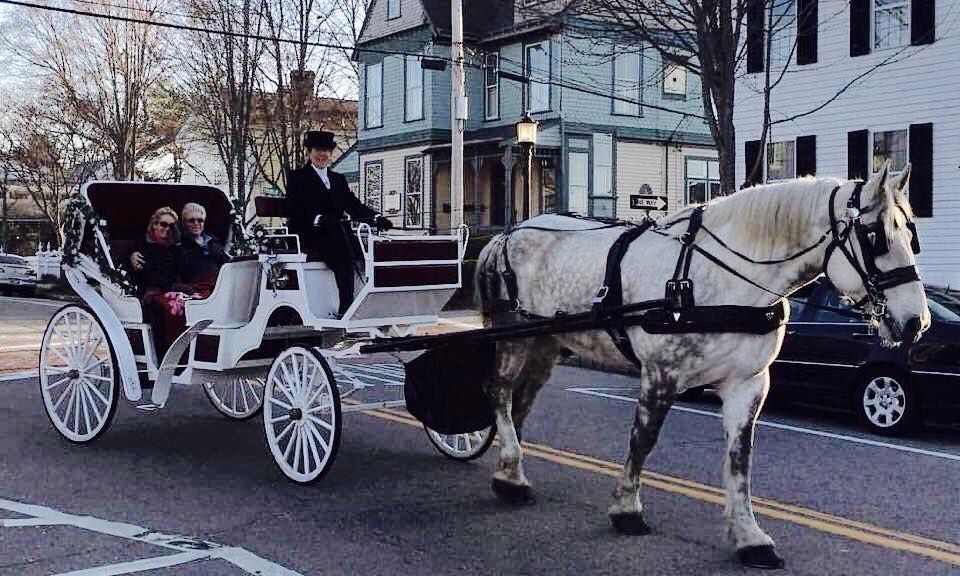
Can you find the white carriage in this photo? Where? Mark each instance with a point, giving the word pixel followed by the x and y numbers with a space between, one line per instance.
pixel 267 339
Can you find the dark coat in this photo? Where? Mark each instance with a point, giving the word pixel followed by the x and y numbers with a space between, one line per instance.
pixel 202 262
pixel 307 197
pixel 163 267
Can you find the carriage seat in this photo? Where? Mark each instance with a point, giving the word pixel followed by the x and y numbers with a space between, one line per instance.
pixel 233 299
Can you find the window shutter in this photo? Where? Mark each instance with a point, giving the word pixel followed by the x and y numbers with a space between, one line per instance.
pixel 806 155
pixel 807 11
pixel 923 16
pixel 858 165
pixel 751 153
pixel 921 169
pixel 859 27
pixel 755 24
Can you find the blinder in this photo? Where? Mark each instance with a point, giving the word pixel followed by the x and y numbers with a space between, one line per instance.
pixel 873 238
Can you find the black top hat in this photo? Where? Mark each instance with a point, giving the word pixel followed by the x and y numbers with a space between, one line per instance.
pixel 319 139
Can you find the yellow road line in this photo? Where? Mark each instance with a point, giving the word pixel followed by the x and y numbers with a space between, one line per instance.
pixel 828 523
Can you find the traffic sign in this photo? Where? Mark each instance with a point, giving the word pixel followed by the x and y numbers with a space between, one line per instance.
pixel 648 202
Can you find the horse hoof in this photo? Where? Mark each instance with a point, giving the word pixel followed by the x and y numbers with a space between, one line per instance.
pixel 764 557
pixel 513 494
pixel 630 523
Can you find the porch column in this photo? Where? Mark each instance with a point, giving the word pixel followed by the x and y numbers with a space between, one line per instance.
pixel 508 162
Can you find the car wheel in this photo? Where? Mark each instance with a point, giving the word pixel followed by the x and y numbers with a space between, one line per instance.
pixel 886 402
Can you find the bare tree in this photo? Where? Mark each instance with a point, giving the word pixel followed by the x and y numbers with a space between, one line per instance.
pixel 101 74
pixel 294 70
pixel 47 159
pixel 221 74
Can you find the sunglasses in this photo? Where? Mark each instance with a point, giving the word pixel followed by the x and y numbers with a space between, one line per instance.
pixel 194 220
pixel 165 225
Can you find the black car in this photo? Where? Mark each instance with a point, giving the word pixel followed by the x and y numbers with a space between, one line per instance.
pixel 829 356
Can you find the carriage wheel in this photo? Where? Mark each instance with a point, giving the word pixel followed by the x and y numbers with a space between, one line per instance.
pixel 237 397
pixel 78 375
pixel 462 447
pixel 301 414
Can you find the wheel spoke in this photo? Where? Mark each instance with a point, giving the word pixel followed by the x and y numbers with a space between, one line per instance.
pixel 86 409
pixel 288 382
pixel 298 438
pixel 101 378
pixel 57 383
pixel 56 369
pixel 63 358
pixel 99 394
pixel 313 444
pixel 293 439
pixel 99 362
pixel 233 387
pixel 243 394
pixel 282 418
pixel 316 433
pixel 66 392
pixel 325 425
pixel 281 404
pixel 284 431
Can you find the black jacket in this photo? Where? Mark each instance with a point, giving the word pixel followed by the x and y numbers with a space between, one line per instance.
pixel 308 197
pixel 163 266
pixel 202 262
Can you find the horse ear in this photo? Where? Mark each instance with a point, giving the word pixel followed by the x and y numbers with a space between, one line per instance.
pixel 903 179
pixel 877 186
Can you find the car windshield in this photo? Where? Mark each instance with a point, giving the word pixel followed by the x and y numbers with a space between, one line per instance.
pixel 946 298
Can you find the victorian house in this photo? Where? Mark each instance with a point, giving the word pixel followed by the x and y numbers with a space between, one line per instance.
pixel 615 122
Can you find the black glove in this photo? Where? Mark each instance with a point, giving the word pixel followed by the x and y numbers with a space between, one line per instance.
pixel 383 224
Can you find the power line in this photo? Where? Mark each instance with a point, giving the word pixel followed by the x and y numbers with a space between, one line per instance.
pixel 244 35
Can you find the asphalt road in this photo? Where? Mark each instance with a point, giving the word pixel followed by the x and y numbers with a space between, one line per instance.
pixel 186 484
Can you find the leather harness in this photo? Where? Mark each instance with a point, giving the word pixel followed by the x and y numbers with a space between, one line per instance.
pixel 677 312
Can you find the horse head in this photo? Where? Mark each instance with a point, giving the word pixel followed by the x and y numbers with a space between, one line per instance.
pixel 871 259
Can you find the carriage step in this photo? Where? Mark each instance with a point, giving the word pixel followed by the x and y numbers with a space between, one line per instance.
pixel 147 407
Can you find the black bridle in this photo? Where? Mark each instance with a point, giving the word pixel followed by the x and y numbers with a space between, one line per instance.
pixel 873 243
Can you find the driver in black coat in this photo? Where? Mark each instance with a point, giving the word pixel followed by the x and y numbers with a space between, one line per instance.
pixel 317 200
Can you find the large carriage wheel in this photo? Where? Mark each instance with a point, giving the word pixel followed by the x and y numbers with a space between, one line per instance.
pixel 301 414
pixel 236 396
pixel 462 447
pixel 79 381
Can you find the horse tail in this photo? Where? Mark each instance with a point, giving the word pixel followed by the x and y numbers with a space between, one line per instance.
pixel 487 276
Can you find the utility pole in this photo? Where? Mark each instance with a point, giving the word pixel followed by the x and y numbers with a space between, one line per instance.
pixel 458 115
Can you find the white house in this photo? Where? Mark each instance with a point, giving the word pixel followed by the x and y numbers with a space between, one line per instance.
pixel 867 80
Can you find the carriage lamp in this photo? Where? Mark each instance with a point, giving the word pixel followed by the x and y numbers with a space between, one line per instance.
pixel 527 138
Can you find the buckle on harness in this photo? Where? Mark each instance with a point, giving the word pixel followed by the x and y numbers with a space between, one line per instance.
pixel 679 294
pixel 601 294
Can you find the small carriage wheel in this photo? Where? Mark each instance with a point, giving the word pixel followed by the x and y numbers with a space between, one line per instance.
pixel 462 447
pixel 301 414
pixel 236 397
pixel 79 381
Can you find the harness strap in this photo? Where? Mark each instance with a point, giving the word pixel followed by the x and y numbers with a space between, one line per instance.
pixel 610 294
pixel 679 289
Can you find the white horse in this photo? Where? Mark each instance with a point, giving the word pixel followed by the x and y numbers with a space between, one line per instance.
pixel 562 270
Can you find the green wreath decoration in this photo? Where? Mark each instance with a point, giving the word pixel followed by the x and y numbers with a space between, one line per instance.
pixel 78 214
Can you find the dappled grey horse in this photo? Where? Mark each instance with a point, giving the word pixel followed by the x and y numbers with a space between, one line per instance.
pixel 773 239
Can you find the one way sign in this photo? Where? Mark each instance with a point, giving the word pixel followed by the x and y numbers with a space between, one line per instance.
pixel 648 202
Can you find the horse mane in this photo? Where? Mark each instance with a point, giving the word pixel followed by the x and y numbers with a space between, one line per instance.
pixel 773 219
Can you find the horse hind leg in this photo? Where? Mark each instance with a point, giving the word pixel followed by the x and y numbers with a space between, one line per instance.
pixel 741 406
pixel 510 484
pixel 656 397
pixel 536 371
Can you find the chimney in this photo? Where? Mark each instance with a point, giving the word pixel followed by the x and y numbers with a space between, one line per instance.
pixel 301 84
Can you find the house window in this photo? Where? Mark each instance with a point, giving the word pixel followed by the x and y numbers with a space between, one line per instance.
pixel 602 201
pixel 373 95
pixel 781 161
pixel 491 74
pixel 675 80
pixel 373 185
pixel 891 23
pixel 626 83
pixel 703 180
pixel 393 9
pixel 783 27
pixel 538 70
pixel 890 145
pixel 413 193
pixel 413 89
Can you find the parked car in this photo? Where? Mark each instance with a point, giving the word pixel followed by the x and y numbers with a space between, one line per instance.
pixel 16 275
pixel 829 357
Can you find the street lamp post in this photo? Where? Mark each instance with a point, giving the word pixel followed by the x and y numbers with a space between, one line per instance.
pixel 527 138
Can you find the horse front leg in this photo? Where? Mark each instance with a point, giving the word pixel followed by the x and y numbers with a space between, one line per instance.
pixel 741 406
pixel 656 397
pixel 510 484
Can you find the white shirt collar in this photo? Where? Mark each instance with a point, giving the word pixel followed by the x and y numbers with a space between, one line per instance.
pixel 322 173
